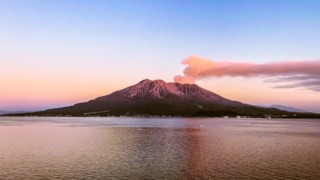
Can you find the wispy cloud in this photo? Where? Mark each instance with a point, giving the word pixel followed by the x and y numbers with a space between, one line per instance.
pixel 304 81
pixel 293 74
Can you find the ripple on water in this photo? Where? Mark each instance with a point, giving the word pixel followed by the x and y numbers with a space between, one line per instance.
pixel 114 148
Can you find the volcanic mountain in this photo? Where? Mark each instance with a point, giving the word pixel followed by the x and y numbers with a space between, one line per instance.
pixel 158 98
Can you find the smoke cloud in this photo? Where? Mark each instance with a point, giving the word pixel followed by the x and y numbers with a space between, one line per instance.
pixel 299 73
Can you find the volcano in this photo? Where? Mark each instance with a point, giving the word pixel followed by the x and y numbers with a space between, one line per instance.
pixel 158 98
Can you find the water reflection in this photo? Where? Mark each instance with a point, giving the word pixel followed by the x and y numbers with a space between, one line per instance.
pixel 159 148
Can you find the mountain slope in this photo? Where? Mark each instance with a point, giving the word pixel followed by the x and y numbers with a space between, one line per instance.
pixel 10 112
pixel 160 98
pixel 286 108
pixel 3 112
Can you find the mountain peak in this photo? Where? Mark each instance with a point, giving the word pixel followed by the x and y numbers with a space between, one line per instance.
pixel 145 81
pixel 157 81
pixel 160 89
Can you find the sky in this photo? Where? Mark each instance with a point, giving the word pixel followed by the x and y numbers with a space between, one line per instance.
pixel 58 53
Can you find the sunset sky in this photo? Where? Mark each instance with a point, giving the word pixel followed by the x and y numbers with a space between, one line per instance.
pixel 57 53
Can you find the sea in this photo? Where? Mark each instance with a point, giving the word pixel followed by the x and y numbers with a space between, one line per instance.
pixel 158 148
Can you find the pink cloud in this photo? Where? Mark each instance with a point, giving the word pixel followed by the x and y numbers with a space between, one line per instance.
pixel 303 73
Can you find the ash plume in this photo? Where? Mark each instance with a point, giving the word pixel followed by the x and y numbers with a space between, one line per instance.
pixel 304 74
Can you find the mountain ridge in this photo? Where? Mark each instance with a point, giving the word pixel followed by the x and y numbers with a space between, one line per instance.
pixel 3 112
pixel 160 89
pixel 287 108
pixel 158 98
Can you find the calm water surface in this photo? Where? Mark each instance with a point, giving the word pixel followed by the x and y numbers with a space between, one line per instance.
pixel 156 148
